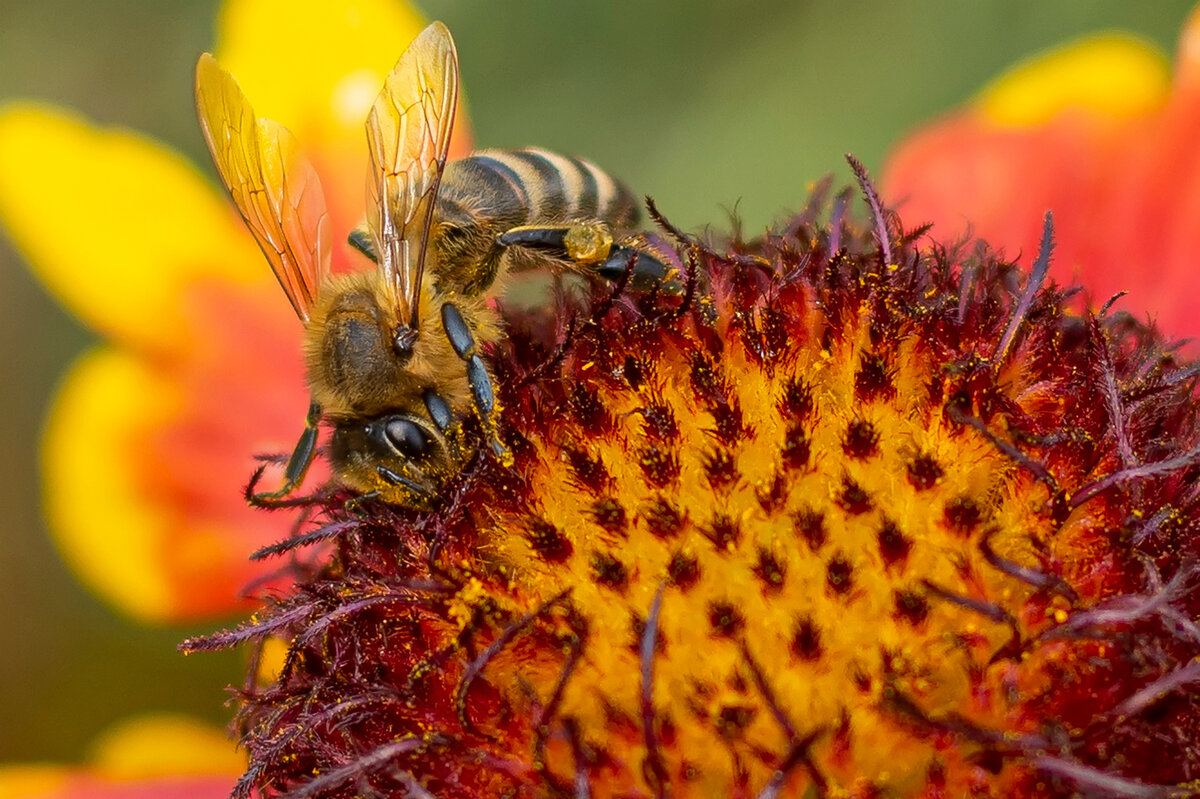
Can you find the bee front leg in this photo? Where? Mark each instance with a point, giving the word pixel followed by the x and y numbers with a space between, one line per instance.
pixel 443 419
pixel 459 335
pixel 392 478
pixel 297 465
pixel 590 244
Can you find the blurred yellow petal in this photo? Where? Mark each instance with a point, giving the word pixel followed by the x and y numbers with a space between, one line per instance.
pixel 271 660
pixel 115 224
pixel 1113 75
pixel 106 529
pixel 161 746
pixel 28 781
pixel 73 784
pixel 316 67
pixel 311 64
pixel 164 757
pixel 143 466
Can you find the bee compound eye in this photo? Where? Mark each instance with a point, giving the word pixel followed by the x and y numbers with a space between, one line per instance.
pixel 407 438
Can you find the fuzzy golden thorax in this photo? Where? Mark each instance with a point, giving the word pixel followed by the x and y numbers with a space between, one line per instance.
pixel 355 371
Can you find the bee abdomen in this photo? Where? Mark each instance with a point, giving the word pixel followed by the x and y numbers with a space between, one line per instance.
pixel 553 188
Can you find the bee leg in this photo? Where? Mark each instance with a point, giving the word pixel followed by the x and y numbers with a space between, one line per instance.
pixel 584 243
pixel 591 244
pixel 354 504
pixel 443 419
pixel 360 239
pixel 647 271
pixel 439 410
pixel 459 335
pixel 297 465
pixel 390 477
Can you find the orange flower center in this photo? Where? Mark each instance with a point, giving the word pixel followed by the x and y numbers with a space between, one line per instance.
pixel 805 523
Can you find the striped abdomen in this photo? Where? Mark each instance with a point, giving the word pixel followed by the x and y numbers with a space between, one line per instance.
pixel 532 186
pixel 493 191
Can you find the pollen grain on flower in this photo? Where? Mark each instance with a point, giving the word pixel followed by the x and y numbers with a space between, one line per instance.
pixel 853 514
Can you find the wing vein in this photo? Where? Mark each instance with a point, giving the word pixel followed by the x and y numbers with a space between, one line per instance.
pixel 274 187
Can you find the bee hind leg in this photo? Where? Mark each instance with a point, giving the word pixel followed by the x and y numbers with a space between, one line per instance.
pixel 590 244
pixel 297 464
pixel 585 243
pixel 459 335
pixel 644 269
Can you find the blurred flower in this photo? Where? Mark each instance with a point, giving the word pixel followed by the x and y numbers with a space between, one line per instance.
pixel 1099 133
pixel 849 518
pixel 163 757
pixel 152 433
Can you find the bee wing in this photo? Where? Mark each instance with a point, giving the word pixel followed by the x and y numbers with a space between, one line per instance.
pixel 408 133
pixel 272 184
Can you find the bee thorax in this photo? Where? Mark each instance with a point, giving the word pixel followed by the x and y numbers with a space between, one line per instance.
pixel 354 366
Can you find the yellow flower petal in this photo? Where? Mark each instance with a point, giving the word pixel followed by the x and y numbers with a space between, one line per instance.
pixel 162 746
pixel 30 781
pixel 163 756
pixel 105 528
pixel 115 224
pixel 1112 75
pixel 316 66
pixel 271 660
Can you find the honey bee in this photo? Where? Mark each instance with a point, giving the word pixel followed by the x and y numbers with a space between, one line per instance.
pixel 394 358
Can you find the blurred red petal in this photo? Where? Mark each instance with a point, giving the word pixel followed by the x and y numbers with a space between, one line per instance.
pixel 1123 190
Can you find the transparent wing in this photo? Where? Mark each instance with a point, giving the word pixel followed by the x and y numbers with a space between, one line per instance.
pixel 408 134
pixel 273 186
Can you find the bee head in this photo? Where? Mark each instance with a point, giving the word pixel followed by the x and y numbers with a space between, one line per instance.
pixel 397 449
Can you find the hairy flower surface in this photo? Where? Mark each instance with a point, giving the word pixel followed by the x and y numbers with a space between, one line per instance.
pixel 850 515
pixel 152 433
pixel 1098 132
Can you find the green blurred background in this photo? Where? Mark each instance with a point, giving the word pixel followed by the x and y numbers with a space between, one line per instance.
pixel 707 106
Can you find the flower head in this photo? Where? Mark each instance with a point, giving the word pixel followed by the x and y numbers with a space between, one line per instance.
pixel 851 516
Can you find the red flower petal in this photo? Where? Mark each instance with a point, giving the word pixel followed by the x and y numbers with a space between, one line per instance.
pixel 1123 182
